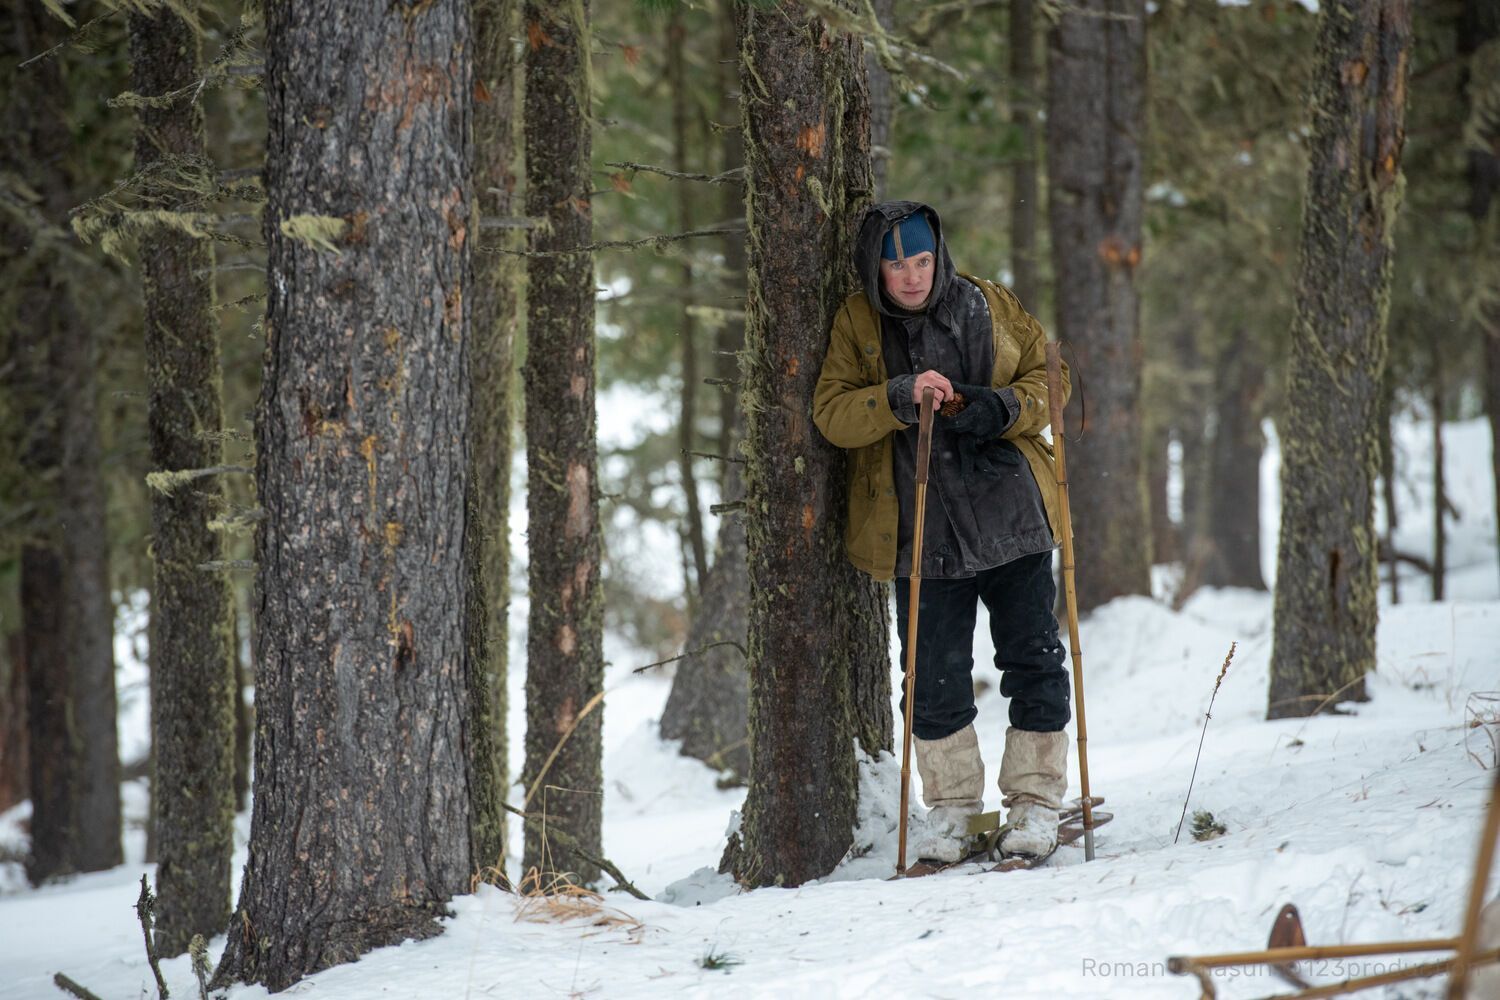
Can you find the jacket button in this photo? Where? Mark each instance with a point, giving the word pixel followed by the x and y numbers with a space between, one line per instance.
pixel 870 402
pixel 885 538
pixel 890 491
pixel 869 348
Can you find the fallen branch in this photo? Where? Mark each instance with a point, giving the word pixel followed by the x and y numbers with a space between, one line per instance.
pixel 67 985
pixel 692 652
pixel 145 908
pixel 569 842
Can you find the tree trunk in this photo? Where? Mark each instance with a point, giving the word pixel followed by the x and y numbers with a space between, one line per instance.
pixel 1439 487
pixel 494 319
pixel 731 333
pixel 1158 466
pixel 1388 479
pixel 1478 25
pixel 819 666
pixel 14 766
pixel 360 829
pixel 564 641
pixel 1325 609
pixel 1023 195
pixel 193 660
pixel 67 617
pixel 1095 123
pixel 1232 534
pixel 708 708
pixel 882 106
pixel 687 416
pixel 244 727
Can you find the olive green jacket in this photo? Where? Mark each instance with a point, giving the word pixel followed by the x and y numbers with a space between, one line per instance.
pixel 851 409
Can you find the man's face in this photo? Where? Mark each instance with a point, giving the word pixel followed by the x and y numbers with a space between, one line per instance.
pixel 909 280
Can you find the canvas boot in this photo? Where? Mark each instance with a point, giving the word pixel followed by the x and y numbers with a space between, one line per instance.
pixel 1033 779
pixel 953 788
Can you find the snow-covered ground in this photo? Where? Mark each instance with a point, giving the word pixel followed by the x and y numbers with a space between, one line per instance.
pixel 1367 821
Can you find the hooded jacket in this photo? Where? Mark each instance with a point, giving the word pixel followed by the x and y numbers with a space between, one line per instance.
pixel 989 501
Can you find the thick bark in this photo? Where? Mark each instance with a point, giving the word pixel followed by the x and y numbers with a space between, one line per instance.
pixel 360 829
pixel 687 415
pixel 1230 553
pixel 1024 87
pixel 193 662
pixel 564 641
pixel 495 315
pixel 1095 124
pixel 67 617
pixel 1326 577
pixel 819 668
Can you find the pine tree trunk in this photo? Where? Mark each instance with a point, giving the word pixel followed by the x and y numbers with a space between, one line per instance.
pixel 193 662
pixel 494 319
pixel 360 828
pixel 730 338
pixel 1024 87
pixel 1478 25
pixel 1326 578
pixel 1439 486
pixel 1388 480
pixel 14 765
pixel 1232 486
pixel 67 617
pixel 564 641
pixel 708 707
pixel 687 415
pixel 1095 123
pixel 819 666
pixel 882 105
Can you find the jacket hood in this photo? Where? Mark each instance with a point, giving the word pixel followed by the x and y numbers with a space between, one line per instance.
pixel 876 222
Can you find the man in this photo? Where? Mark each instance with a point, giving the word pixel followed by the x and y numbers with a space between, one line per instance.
pixel 991 508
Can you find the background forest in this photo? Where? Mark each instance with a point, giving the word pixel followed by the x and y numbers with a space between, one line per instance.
pixel 142 161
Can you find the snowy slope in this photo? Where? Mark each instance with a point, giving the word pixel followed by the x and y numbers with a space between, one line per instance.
pixel 1367 821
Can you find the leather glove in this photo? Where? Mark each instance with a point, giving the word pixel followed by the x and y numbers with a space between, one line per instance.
pixel 984 415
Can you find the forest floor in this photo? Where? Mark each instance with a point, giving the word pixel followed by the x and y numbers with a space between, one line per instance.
pixel 1368 821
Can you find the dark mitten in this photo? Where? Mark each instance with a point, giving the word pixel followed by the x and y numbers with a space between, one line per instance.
pixel 985 414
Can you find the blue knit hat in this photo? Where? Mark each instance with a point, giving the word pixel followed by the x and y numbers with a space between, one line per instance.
pixel 907 238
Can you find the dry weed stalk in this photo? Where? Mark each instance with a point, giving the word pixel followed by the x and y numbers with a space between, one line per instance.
pixel 1206 716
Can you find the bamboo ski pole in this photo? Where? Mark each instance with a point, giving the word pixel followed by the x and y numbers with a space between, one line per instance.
pixel 1055 399
pixel 924 452
pixel 1468 938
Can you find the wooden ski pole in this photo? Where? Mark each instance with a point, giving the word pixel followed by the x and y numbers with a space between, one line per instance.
pixel 1468 938
pixel 1055 399
pixel 924 452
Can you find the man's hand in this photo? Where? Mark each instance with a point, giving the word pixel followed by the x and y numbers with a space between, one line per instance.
pixel 984 416
pixel 942 388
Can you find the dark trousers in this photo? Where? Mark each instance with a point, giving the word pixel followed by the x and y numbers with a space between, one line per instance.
pixel 1019 597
